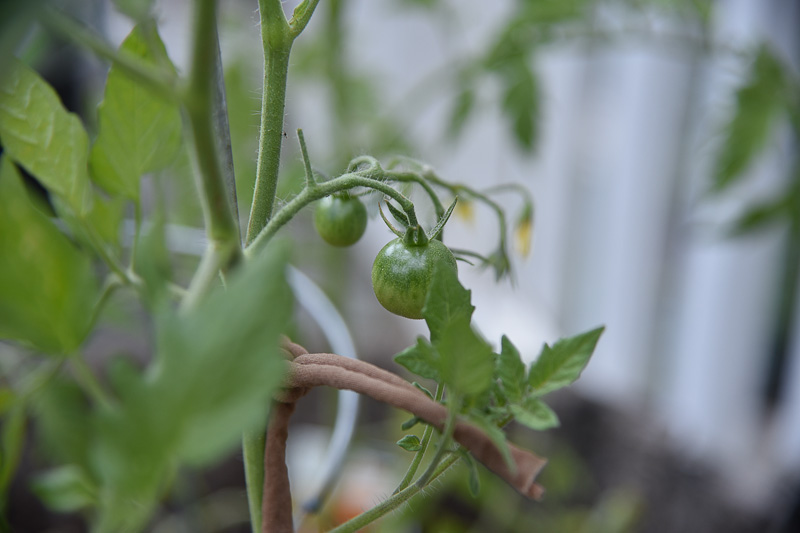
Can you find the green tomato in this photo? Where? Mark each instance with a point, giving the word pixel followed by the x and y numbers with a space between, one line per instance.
pixel 402 273
pixel 340 220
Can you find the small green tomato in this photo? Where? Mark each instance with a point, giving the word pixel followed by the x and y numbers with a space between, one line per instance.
pixel 340 220
pixel 402 273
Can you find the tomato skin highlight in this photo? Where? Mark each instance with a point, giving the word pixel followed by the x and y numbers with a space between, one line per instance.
pixel 340 221
pixel 402 273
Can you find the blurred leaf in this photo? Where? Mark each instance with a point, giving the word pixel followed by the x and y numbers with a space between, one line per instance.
pixel 153 260
pixel 550 12
pixel 65 489
pixel 39 134
pixel 758 103
pixel 12 437
pixel 496 435
pixel 521 105
pixel 463 105
pixel 7 399
pixel 474 477
pixel 763 215
pixel 136 9
pixel 139 132
pixel 216 369
pixel 420 359
pixel 511 371
pixel 47 287
pixel 106 218
pixel 447 301
pixel 562 364
pixel 534 414
pixel 426 4
pixel 410 443
pixel 466 360
pixel 62 421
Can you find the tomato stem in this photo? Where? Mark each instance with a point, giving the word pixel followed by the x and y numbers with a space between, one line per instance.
pixel 277 37
pixel 394 502
pixel 426 438
pixel 366 178
pixel 310 180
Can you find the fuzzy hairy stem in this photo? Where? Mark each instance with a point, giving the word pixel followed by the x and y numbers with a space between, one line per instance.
pixel 321 190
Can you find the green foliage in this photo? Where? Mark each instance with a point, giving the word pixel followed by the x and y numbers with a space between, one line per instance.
pixel 765 214
pixel 511 371
pixel 535 414
pixel 65 489
pixel 457 355
pixel 420 359
pixel 136 9
pixel 410 443
pixel 61 412
pixel 212 380
pixel 12 438
pixel 562 364
pixel 447 302
pixel 140 132
pixel 47 286
pixel 465 358
pixel 40 135
pixel 758 104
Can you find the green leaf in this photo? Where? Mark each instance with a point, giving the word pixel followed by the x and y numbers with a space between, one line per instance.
pixel 106 218
pixel 466 360
pixel 65 489
pixel 153 261
pixel 474 477
pixel 47 287
pixel 763 215
pixel 562 364
pixel 447 301
pixel 7 399
pixel 534 414
pixel 12 438
pixel 496 435
pixel 139 132
pixel 136 9
pixel 43 137
pixel 463 106
pixel 63 422
pixel 521 104
pixel 758 103
pixel 511 371
pixel 410 443
pixel 217 367
pixel 420 359
pixel 550 12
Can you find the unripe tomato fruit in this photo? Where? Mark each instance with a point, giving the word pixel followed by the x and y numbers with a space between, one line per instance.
pixel 340 220
pixel 402 273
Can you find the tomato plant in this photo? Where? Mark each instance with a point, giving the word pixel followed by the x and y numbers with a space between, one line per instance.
pixel 116 435
pixel 340 219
